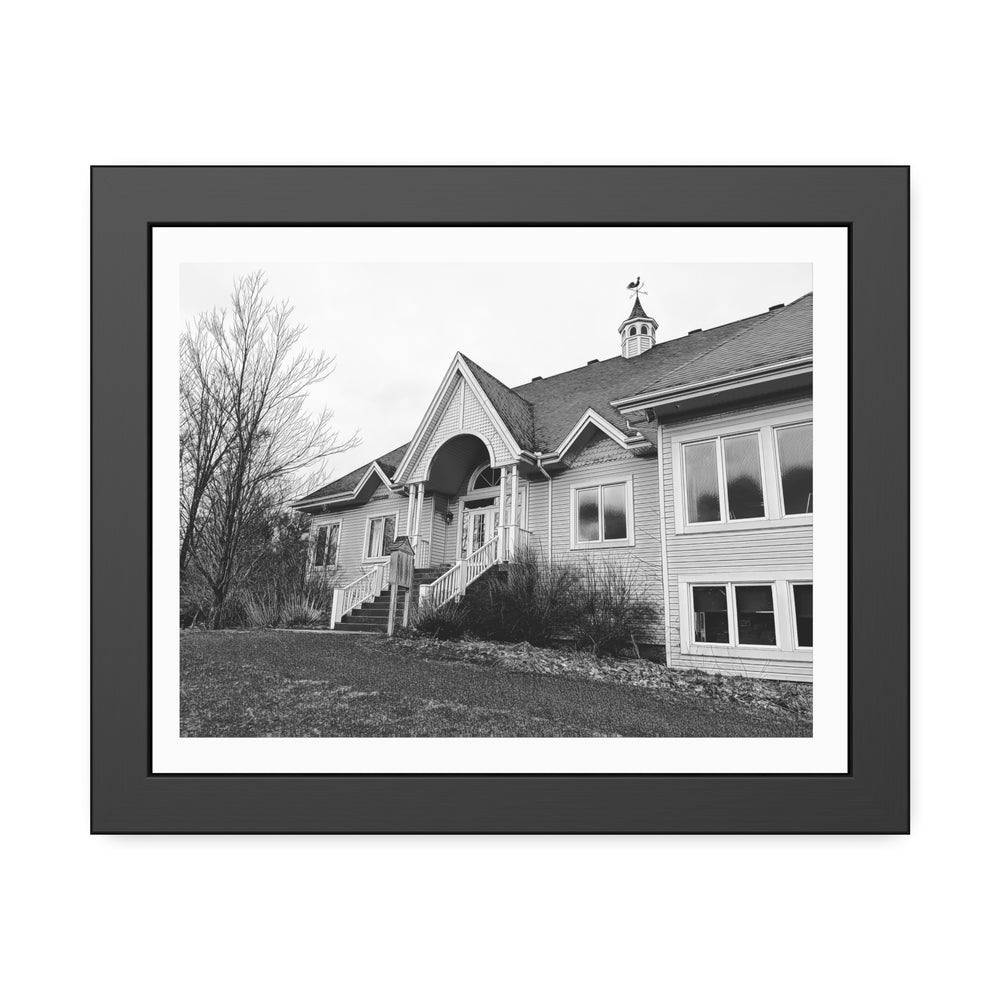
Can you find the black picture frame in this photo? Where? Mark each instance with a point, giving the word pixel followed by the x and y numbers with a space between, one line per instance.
pixel 873 797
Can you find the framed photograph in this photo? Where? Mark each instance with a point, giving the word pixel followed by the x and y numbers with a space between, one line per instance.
pixel 484 500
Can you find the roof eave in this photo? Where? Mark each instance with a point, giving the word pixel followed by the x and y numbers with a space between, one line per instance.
pixel 737 380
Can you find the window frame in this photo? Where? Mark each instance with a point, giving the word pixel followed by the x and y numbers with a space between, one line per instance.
pixel 313 536
pixel 365 558
pixel 792 584
pixel 782 599
pixel 777 463
pixel 719 441
pixel 734 632
pixel 601 543
pixel 765 425
pixel 477 473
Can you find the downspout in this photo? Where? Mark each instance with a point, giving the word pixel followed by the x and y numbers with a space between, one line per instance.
pixel 663 544
pixel 538 462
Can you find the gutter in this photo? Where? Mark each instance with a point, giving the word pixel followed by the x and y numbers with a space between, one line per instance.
pixel 644 400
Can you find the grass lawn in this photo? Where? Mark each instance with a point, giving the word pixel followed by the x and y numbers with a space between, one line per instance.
pixel 298 684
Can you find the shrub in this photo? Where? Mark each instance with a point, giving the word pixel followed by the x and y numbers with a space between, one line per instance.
pixel 531 601
pixel 611 607
pixel 449 621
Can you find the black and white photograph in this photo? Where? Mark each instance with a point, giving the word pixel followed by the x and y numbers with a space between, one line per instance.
pixel 496 499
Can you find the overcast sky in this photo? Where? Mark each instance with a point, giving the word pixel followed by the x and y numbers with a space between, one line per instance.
pixel 394 328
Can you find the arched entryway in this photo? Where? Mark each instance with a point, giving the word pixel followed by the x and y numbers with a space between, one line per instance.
pixel 465 508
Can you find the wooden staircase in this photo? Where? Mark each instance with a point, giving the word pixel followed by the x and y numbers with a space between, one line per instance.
pixel 373 615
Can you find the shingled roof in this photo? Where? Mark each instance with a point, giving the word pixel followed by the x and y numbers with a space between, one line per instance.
pixel 388 463
pixel 559 401
pixel 540 414
pixel 782 335
pixel 515 411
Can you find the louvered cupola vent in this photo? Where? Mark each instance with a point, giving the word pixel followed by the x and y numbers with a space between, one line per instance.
pixel 638 332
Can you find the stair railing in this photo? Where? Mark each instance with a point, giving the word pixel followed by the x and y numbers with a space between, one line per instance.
pixel 453 582
pixel 367 586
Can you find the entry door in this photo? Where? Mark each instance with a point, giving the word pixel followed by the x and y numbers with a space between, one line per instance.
pixel 478 527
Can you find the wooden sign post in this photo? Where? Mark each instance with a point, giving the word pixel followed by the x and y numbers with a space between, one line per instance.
pixel 400 575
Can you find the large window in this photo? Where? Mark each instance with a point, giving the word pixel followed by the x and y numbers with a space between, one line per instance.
pixel 724 479
pixel 750 474
pixel 379 536
pixel 763 618
pixel 325 545
pixel 602 514
pixel 802 602
pixel 795 466
pixel 724 612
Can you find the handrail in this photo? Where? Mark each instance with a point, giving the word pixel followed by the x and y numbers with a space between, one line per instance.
pixel 453 582
pixel 364 588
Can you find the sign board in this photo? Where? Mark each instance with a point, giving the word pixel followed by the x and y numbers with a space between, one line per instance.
pixel 401 563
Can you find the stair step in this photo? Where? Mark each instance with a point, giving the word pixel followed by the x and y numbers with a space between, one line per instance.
pixel 348 626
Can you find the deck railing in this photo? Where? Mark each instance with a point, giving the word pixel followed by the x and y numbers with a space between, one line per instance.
pixel 345 599
pixel 453 582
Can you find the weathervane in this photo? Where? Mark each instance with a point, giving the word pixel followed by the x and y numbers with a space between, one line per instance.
pixel 636 287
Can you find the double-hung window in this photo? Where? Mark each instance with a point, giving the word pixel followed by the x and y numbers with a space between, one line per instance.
pixel 724 479
pixel 602 514
pixel 326 544
pixel 734 614
pixel 379 536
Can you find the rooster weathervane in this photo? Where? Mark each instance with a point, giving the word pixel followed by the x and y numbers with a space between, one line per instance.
pixel 636 288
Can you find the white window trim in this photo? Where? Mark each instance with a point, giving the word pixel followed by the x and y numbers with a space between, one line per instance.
pixel 482 490
pixel 801 518
pixel 773 501
pixel 791 584
pixel 365 558
pixel 314 532
pixel 614 543
pixel 780 584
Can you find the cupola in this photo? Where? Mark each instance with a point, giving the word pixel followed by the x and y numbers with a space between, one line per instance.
pixel 638 332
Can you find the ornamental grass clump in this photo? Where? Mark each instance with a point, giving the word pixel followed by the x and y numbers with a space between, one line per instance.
pixel 449 621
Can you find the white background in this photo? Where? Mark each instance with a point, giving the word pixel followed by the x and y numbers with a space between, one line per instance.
pixel 630 917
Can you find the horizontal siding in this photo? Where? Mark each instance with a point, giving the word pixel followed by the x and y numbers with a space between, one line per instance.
pixel 718 555
pixel 644 554
pixel 352 535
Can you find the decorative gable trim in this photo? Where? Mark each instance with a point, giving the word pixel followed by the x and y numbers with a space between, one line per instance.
pixel 592 419
pixel 469 384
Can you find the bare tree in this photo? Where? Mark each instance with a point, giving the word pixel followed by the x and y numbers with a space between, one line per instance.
pixel 250 438
pixel 204 423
